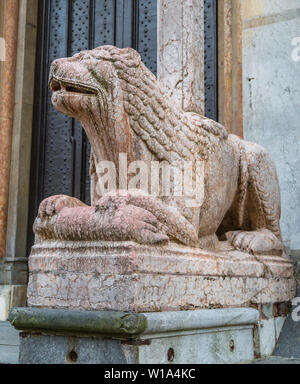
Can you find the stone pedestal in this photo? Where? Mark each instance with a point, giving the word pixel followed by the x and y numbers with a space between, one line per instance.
pixel 130 277
pixel 105 302
pixel 189 337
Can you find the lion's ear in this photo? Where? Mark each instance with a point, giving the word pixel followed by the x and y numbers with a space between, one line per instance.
pixel 132 55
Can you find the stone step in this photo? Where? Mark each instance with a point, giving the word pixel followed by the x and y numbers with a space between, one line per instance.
pixel 9 354
pixel 9 344
pixel 8 334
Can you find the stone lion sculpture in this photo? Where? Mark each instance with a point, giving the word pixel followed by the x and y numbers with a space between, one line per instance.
pixel 124 109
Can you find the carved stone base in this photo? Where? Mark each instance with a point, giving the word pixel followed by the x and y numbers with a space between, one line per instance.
pixel 135 278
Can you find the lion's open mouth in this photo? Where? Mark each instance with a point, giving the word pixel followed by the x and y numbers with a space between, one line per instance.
pixel 59 85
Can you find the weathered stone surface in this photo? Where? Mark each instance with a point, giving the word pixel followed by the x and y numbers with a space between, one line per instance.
pixel 11 296
pixel 45 349
pixel 279 323
pixel 224 345
pixel 206 336
pixel 125 110
pixel 130 277
pixel 19 189
pixel 218 346
pixel 84 322
pixel 276 360
pixel 295 257
pixel 266 335
pixel 9 344
pixel 127 324
pixel 127 113
pixel 5 298
pixel 230 90
pixel 181 52
pixel 7 98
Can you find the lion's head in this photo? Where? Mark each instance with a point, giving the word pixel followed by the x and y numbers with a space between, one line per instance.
pixel 88 87
pixel 79 81
pixel 121 104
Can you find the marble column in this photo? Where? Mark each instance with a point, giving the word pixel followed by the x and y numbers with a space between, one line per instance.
pixel 230 65
pixel 181 51
pixel 7 99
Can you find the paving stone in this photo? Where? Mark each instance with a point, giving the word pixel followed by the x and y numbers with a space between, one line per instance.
pixel 9 354
pixel 8 334
pixel 9 344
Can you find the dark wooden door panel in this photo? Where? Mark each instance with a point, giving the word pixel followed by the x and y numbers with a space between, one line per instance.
pixel 211 58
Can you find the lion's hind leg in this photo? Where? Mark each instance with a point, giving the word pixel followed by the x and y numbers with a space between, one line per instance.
pixel 261 208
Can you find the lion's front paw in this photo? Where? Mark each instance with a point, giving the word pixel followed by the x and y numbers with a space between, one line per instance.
pixel 169 221
pixel 257 242
pixel 131 223
pixel 54 204
pixel 48 211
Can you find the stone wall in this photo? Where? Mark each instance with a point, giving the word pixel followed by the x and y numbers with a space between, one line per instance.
pixel 271 86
